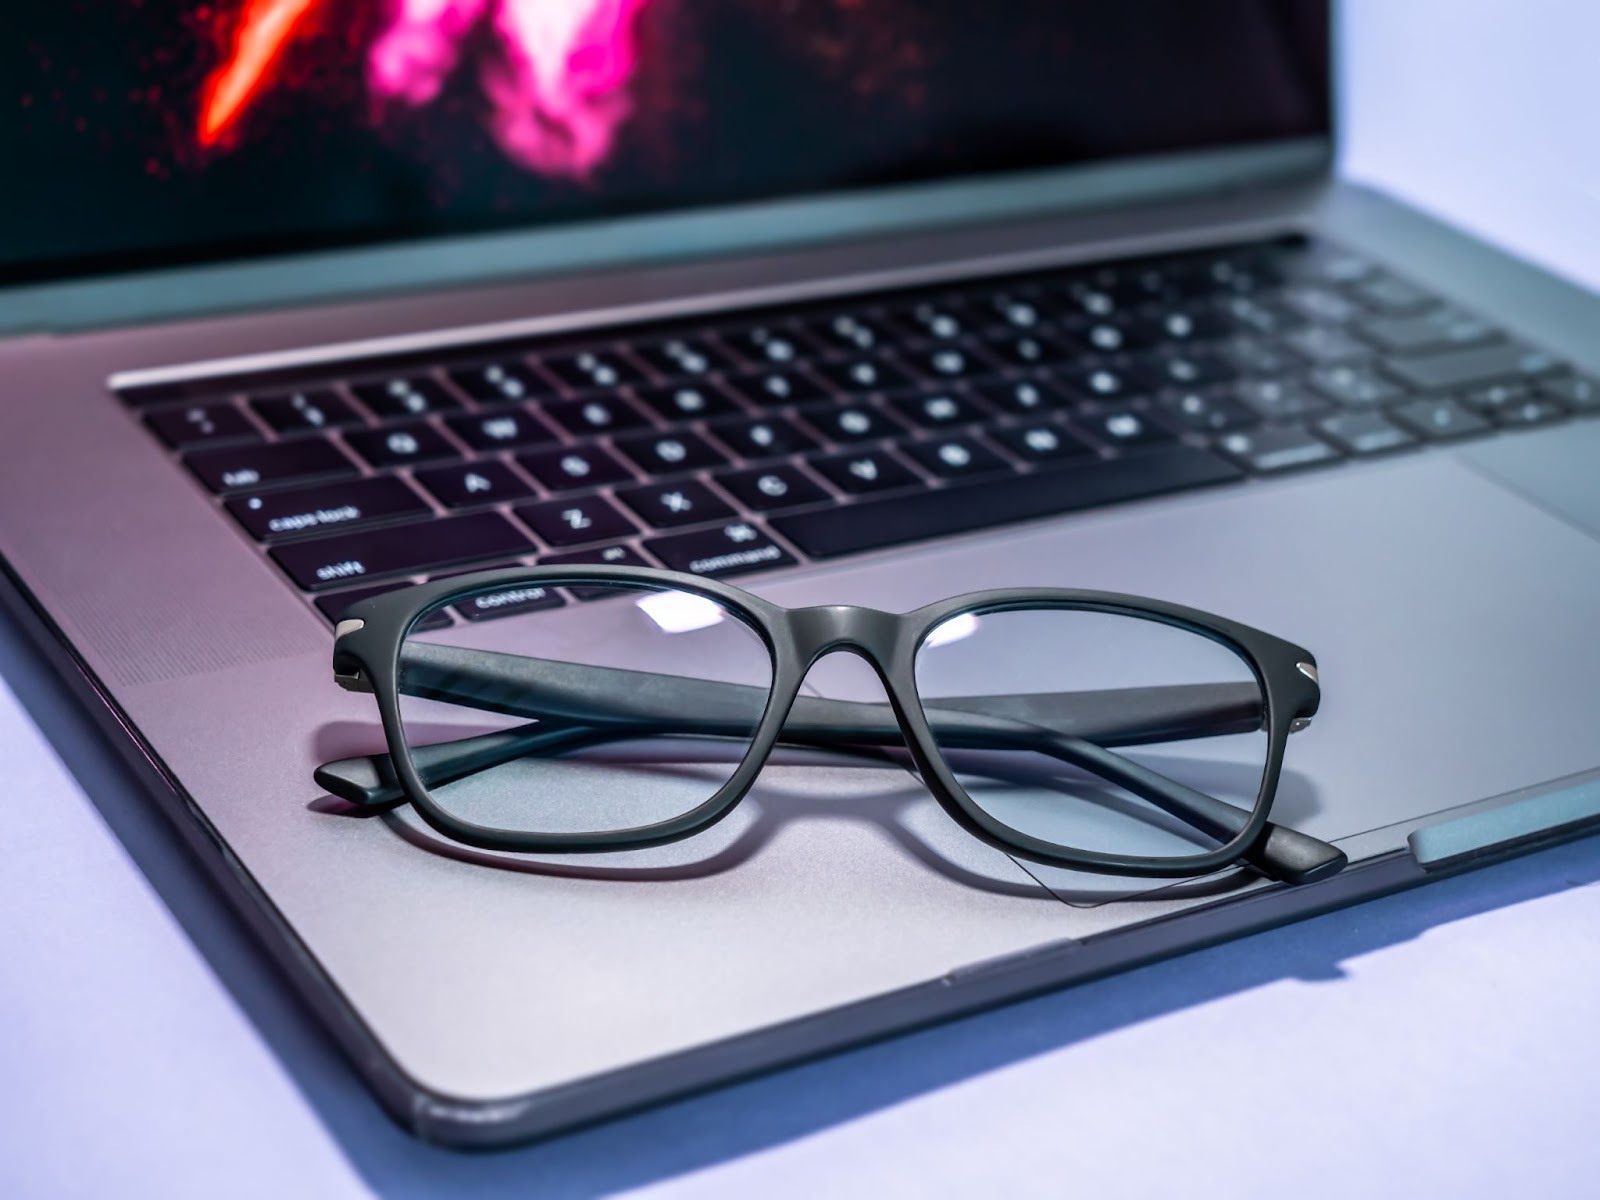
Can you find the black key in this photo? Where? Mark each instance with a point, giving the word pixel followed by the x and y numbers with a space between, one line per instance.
pixel 327 506
pixel 1327 344
pixel 508 601
pixel 666 505
pixel 852 422
pixel 865 471
pixel 1278 401
pixel 1439 419
pixel 473 483
pixel 1356 386
pixel 1026 396
pixel 955 457
pixel 397 445
pixel 766 344
pixel 201 425
pixel 1472 368
pixel 577 467
pixel 1042 443
pixel 574 522
pixel 683 358
pixel 688 401
pixel 506 429
pixel 1577 393
pixel 1092 298
pixel 1028 349
pixel 871 524
pixel 670 453
pixel 1107 383
pixel 1020 311
pixel 601 370
pixel 1493 397
pixel 1442 329
pixel 1320 261
pixel 1364 433
pixel 598 414
pixel 864 375
pixel 1189 325
pixel 769 489
pixel 945 362
pixel 1186 370
pixel 1322 306
pixel 405 396
pixel 942 320
pixel 1258 356
pixel 849 332
pixel 1257 314
pixel 400 550
pixel 1531 411
pixel 306 412
pixel 334 604
pixel 239 467
pixel 936 410
pixel 1115 337
pixel 1386 294
pixel 766 389
pixel 1276 448
pixel 1214 411
pixel 597 556
pixel 499 382
pixel 1124 428
pixel 767 437
pixel 734 549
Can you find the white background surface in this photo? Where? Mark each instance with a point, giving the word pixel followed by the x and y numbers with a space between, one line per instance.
pixel 1438 1043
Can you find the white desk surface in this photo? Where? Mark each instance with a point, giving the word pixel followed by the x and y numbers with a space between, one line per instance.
pixel 1438 1043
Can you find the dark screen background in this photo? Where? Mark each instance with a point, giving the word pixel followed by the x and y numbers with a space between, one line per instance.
pixel 102 101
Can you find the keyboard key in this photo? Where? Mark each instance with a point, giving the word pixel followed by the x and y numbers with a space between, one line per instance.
pixel 766 344
pixel 1439 419
pixel 473 483
pixel 1186 370
pixel 956 457
pixel 1185 326
pixel 1025 396
pixel 864 375
pixel 597 556
pixel 600 370
pixel 1364 433
pixel 334 604
pixel 865 471
pixel 1213 411
pixel 936 410
pixel 1028 349
pixel 238 467
pixel 598 414
pixel 505 429
pixel 1258 356
pixel 400 550
pixel 1123 428
pixel 1320 305
pixel 941 320
pixel 306 412
pixel 1042 443
pixel 671 453
pixel 733 549
pixel 507 602
pixel 767 389
pixel 1025 312
pixel 945 362
pixel 1115 337
pixel 1579 394
pixel 499 382
pixel 772 488
pixel 1356 386
pixel 849 332
pixel 574 468
pixel 851 422
pixel 1323 345
pixel 891 521
pixel 667 505
pixel 1472 368
pixel 401 444
pixel 683 358
pixel 1528 412
pixel 1386 294
pixel 576 521
pixel 769 437
pixel 411 396
pixel 201 425
pixel 1493 397
pixel 1442 329
pixel 688 401
pixel 1106 383
pixel 327 506
pixel 1278 401
pixel 1277 448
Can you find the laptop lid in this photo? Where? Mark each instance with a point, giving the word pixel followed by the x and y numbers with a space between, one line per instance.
pixel 188 157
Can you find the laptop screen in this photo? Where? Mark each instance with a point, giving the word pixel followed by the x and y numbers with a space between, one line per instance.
pixel 171 131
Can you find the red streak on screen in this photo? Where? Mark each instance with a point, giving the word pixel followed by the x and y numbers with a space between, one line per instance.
pixel 264 28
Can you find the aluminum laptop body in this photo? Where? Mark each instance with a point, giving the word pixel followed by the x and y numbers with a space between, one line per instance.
pixel 1449 591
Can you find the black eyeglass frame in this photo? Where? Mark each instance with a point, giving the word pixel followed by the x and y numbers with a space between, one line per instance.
pixel 371 633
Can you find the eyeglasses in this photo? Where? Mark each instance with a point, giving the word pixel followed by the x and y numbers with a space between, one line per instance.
pixel 613 708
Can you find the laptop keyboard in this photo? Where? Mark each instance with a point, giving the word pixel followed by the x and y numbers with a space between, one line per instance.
pixel 760 440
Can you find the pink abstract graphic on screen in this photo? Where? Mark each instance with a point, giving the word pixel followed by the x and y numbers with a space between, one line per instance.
pixel 554 73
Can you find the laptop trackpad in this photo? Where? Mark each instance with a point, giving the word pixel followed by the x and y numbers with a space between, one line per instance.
pixel 1429 593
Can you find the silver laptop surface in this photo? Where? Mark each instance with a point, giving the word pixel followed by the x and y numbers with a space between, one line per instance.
pixel 303 301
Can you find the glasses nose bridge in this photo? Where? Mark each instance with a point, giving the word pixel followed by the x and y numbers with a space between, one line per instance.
pixel 867 632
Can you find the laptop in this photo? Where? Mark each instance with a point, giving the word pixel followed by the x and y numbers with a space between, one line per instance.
pixel 304 302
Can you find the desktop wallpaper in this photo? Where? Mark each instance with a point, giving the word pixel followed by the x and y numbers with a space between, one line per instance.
pixel 152 131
